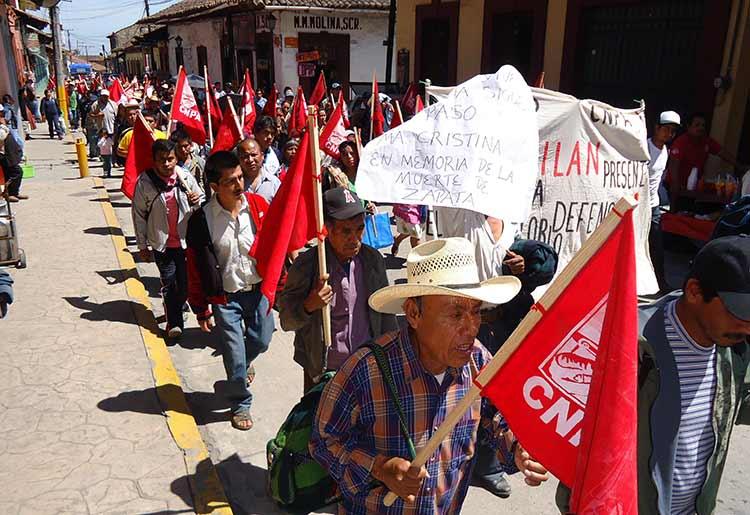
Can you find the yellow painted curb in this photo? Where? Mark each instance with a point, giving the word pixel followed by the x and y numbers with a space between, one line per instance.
pixel 208 493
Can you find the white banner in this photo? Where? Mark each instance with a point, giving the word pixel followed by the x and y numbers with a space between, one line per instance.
pixel 590 155
pixel 475 150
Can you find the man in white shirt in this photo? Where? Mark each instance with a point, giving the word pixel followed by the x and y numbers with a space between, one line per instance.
pixel 257 179
pixel 664 131
pixel 222 276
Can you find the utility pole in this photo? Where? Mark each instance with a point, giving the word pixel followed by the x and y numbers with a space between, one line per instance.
pixel 69 47
pixel 86 51
pixel 148 12
pixel 389 41
pixel 54 18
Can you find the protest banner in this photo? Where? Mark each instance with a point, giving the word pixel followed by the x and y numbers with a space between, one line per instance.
pixel 590 155
pixel 457 153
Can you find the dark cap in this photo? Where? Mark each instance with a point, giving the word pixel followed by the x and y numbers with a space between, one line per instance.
pixel 723 265
pixel 342 204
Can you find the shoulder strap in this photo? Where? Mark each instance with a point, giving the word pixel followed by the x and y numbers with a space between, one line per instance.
pixel 385 369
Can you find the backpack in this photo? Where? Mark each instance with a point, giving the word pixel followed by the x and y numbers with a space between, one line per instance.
pixel 295 480
pixel 734 220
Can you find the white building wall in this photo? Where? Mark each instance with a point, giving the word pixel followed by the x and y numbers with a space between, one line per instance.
pixel 195 34
pixel 366 53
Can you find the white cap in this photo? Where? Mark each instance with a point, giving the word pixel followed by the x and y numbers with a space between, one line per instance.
pixel 104 91
pixel 669 117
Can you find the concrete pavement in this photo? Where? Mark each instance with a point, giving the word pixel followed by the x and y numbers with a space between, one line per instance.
pixel 82 429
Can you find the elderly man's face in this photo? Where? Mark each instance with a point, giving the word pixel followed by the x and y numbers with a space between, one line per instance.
pixel 713 318
pixel 445 328
pixel 251 158
pixel 345 236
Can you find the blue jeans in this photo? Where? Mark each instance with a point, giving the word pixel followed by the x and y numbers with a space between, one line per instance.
pixel 245 330
pixel 173 275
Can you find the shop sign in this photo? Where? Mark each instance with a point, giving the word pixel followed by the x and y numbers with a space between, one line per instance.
pixel 306 70
pixel 291 42
pixel 343 23
pixel 308 57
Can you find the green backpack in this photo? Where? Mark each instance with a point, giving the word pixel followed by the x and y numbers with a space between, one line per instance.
pixel 295 480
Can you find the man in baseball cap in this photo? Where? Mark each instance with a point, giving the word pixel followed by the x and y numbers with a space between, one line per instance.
pixel 355 272
pixel 664 131
pixel 692 390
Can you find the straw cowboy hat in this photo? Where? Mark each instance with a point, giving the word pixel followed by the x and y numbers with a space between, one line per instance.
pixel 444 267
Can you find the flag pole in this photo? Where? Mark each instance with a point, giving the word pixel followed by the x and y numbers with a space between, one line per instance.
pixel 234 117
pixel 398 110
pixel 587 251
pixel 209 91
pixel 372 102
pixel 358 140
pixel 171 109
pixel 312 127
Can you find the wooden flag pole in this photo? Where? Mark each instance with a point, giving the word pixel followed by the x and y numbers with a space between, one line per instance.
pixel 398 110
pixel 358 139
pixel 587 251
pixel 234 117
pixel 209 91
pixel 171 109
pixel 372 103
pixel 312 128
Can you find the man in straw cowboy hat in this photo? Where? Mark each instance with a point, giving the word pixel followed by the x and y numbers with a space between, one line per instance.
pixel 433 358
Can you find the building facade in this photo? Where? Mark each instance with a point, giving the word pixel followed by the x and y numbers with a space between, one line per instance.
pixel 685 55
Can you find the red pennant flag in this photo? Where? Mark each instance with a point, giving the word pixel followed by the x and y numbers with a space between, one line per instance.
pixel 185 109
pixel 569 392
pixel 216 114
pixel 289 222
pixel 376 111
pixel 398 118
pixel 409 100
pixel 139 155
pixel 270 108
pixel 319 92
pixel 248 107
pixel 116 92
pixel 334 132
pixel 418 105
pixel 298 120
pixel 229 133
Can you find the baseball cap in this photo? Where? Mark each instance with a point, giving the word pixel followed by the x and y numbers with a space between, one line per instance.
pixel 669 117
pixel 104 91
pixel 723 265
pixel 288 92
pixel 335 85
pixel 342 204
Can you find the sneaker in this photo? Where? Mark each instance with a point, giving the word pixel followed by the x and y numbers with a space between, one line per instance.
pixel 13 198
pixel 22 197
pixel 174 332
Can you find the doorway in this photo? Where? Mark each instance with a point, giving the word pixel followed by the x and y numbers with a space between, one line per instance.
pixel 333 59
pixel 436 43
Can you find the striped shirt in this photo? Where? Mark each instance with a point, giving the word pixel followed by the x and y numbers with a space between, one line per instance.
pixel 695 437
pixel 357 420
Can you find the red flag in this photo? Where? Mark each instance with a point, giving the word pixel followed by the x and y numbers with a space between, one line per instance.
pixel 376 111
pixel 410 98
pixel 289 223
pixel 116 92
pixel 139 156
pixel 248 107
pixel 298 120
pixel 229 133
pixel 270 108
pixel 319 91
pixel 185 109
pixel 334 133
pixel 216 114
pixel 569 392
pixel 397 116
pixel 418 105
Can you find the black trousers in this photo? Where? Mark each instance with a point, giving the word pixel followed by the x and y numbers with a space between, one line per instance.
pixel 13 178
pixel 173 273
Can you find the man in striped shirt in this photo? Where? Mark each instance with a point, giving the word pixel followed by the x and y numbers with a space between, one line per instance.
pixel 694 356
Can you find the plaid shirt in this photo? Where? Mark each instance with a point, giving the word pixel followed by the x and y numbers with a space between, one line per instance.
pixel 357 420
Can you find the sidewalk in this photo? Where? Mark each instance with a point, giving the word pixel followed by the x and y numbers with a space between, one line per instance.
pixel 73 365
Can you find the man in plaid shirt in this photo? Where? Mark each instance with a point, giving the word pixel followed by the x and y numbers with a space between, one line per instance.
pixel 433 360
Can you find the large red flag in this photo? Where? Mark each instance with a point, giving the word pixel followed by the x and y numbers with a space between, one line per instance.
pixel 289 223
pixel 248 106
pixel 569 392
pixel 376 111
pixel 319 92
pixel 139 156
pixel 229 133
pixel 298 120
pixel 116 92
pixel 334 133
pixel 185 110
pixel 270 108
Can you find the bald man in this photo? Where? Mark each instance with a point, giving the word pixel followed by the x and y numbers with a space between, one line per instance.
pixel 257 180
